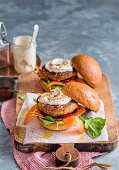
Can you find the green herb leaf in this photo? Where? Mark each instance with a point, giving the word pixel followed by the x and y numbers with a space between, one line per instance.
pixel 46 122
pixel 93 126
pixel 35 100
pixel 60 86
pixel 22 96
pixel 92 134
pixel 59 122
pixel 48 81
pixel 57 86
pixel 49 118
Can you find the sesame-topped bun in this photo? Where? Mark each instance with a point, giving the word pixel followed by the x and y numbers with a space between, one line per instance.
pixel 83 94
pixel 88 68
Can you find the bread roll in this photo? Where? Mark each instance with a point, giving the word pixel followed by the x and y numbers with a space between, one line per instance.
pixel 88 68
pixel 59 127
pixel 83 94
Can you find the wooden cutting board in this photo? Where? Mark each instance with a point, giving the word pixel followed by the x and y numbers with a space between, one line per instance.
pixel 30 83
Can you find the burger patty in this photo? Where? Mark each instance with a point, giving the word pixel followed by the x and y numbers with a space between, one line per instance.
pixel 58 76
pixel 57 110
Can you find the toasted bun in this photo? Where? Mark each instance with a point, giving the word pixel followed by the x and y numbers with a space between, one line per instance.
pixel 83 94
pixel 53 126
pixel 44 85
pixel 88 68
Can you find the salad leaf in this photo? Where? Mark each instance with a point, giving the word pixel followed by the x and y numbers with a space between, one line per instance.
pixel 46 122
pixel 93 126
pixel 48 81
pixel 59 122
pixel 60 86
pixel 22 96
pixel 49 118
pixel 57 86
pixel 35 100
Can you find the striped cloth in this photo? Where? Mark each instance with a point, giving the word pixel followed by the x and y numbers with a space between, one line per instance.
pixel 37 160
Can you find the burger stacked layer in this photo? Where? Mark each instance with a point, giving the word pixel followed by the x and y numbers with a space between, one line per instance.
pixel 69 86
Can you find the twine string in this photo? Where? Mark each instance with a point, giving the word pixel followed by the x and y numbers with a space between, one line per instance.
pixel 103 166
pixel 68 158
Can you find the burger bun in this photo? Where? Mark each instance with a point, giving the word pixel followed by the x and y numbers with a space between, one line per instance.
pixel 88 68
pixel 83 94
pixel 56 127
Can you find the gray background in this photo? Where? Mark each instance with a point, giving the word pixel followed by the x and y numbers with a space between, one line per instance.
pixel 67 27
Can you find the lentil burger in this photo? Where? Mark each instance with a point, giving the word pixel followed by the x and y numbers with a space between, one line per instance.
pixel 55 73
pixel 58 110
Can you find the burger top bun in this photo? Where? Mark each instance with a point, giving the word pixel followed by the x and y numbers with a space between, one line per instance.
pixel 83 94
pixel 88 68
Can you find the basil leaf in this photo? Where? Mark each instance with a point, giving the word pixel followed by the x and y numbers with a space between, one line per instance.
pixel 48 81
pixel 35 100
pixel 93 126
pixel 60 86
pixel 59 122
pixel 85 118
pixel 49 118
pixel 22 96
pixel 46 122
pixel 92 134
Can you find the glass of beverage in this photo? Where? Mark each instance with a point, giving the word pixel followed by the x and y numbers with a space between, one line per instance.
pixel 24 53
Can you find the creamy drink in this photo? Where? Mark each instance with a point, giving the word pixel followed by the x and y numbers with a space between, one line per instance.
pixel 24 52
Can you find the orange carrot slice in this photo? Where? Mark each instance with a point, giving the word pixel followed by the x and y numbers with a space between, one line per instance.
pixel 39 70
pixel 80 110
pixel 32 116
pixel 37 114
pixel 32 109
pixel 69 120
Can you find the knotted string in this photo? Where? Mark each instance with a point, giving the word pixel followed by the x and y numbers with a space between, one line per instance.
pixel 103 166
